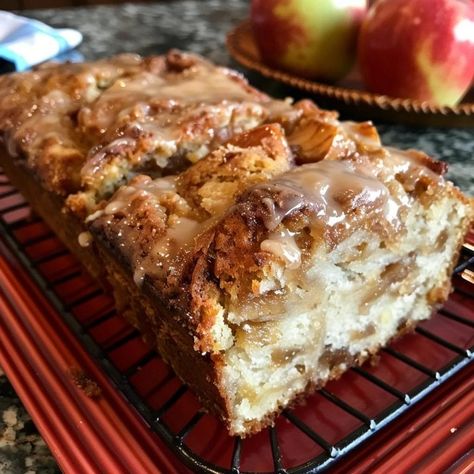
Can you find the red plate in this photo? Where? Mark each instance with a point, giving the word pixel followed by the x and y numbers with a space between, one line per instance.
pixel 105 403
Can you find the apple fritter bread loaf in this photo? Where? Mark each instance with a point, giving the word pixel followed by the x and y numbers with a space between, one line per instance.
pixel 262 246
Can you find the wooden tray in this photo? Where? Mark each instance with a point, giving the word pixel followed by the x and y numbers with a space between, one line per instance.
pixel 347 96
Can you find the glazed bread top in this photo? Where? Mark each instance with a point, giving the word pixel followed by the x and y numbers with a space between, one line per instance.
pixel 89 127
pixel 215 196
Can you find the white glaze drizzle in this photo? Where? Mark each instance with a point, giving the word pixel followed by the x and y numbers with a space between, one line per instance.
pixel 193 86
pixel 282 244
pixel 329 188
pixel 85 239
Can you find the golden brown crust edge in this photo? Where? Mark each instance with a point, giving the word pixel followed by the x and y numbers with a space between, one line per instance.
pixel 50 207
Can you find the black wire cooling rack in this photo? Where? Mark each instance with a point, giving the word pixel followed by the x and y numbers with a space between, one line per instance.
pixel 37 248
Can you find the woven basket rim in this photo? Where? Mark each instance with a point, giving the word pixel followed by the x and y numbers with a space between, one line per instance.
pixel 243 32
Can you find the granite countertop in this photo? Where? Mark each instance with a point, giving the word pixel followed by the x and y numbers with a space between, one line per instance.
pixel 22 450
pixel 200 27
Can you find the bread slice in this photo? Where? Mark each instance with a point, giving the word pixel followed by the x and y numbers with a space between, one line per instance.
pixel 287 274
pixel 262 247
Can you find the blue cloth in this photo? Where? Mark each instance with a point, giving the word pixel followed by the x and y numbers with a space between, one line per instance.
pixel 25 42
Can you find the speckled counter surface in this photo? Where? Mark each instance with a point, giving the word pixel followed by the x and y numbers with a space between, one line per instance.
pixel 22 450
pixel 199 26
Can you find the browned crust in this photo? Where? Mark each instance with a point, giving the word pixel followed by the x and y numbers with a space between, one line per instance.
pixel 163 331
pixel 49 206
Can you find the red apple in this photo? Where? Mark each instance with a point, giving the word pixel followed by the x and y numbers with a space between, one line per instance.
pixel 311 38
pixel 418 49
